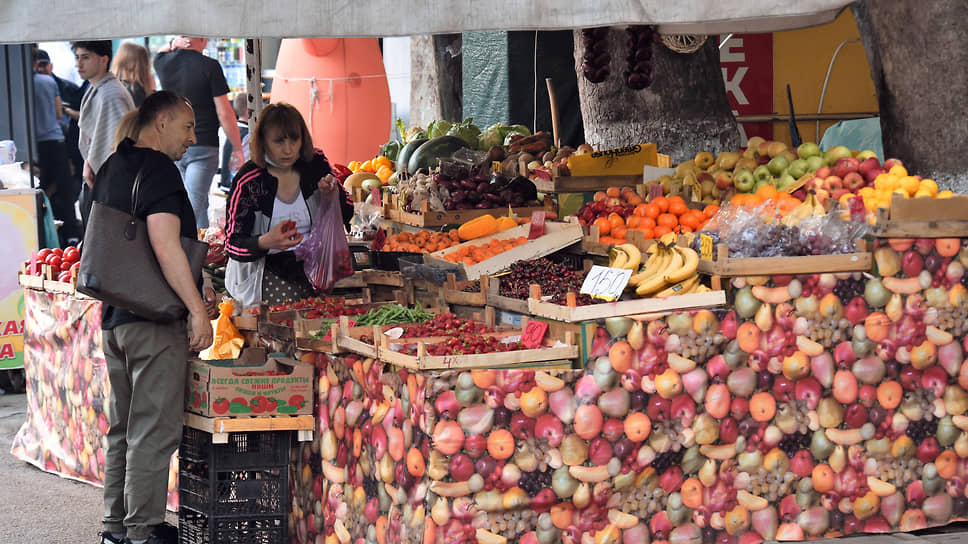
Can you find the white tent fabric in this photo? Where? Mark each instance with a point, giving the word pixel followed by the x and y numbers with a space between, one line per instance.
pixel 51 20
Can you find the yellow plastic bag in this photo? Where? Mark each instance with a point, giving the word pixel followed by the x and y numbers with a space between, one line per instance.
pixel 228 341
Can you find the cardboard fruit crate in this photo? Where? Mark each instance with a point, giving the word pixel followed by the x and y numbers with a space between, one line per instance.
pixel 557 236
pixel 923 217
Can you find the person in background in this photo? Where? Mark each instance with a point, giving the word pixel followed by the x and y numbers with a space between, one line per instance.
pixel 147 360
pixel 271 205
pixel 71 95
pixel 133 69
pixel 55 170
pixel 226 172
pixel 104 104
pixel 181 67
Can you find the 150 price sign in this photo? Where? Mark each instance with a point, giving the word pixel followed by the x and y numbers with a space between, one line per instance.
pixel 605 282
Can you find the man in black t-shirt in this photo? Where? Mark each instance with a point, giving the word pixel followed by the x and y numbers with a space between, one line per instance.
pixel 182 68
pixel 147 360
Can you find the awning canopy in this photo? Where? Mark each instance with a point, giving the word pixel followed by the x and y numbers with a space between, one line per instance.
pixel 55 20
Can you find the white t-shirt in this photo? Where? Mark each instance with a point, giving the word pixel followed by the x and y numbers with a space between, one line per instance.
pixel 297 211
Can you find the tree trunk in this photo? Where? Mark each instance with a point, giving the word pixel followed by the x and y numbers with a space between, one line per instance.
pixel 918 54
pixel 435 68
pixel 684 111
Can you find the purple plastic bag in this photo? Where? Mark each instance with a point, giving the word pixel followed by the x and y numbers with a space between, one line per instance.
pixel 325 253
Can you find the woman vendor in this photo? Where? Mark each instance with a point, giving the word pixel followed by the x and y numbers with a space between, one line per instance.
pixel 271 208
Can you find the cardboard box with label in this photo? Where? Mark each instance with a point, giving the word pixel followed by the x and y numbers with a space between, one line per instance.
pixel 252 385
pixel 625 161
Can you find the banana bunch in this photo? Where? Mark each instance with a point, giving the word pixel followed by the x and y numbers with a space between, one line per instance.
pixel 625 256
pixel 811 207
pixel 669 270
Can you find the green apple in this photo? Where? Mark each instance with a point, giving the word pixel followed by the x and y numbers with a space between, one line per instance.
pixel 809 149
pixel 797 168
pixel 836 153
pixel 744 181
pixel 777 165
pixel 762 172
pixel 866 154
pixel 784 181
pixel 814 162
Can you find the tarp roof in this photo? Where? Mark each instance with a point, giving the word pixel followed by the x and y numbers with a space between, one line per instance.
pixel 55 20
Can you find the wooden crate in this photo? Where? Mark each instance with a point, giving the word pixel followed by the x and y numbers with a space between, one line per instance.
pixel 391 278
pixel 640 306
pixel 348 339
pixel 557 236
pixel 584 184
pixel 422 361
pixel 726 266
pixel 351 282
pixel 495 300
pixel 591 244
pixel 923 218
pixel 31 282
pixel 427 218
pixel 453 292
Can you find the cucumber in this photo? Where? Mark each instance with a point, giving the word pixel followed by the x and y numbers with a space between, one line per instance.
pixel 407 151
pixel 426 156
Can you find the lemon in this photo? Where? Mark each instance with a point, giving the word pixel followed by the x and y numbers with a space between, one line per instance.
pixel 922 192
pixel 930 186
pixel 901 192
pixel 898 170
pixel 945 194
pixel 866 192
pixel 893 182
pixel 880 182
pixel 909 184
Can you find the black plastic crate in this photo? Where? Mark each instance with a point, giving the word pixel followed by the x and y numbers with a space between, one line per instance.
pixel 219 493
pixel 361 257
pixel 196 528
pixel 390 260
pixel 244 450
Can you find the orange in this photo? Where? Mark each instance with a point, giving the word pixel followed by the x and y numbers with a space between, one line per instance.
pixel 647 232
pixel 534 402
pixel 823 478
pixel 767 192
pixel 640 210
pixel 604 227
pixel 647 222
pixel 415 462
pixel 619 232
pixel 762 406
pixel 637 426
pixel 710 210
pixel 689 221
pixel 620 354
pixel 660 231
pixel 500 444
pixel 691 492
pixel 889 394
pixel 947 464
pixel 616 220
pixel 662 202
pixel 652 210
pixel 633 221
pixel 667 220
pixel 677 206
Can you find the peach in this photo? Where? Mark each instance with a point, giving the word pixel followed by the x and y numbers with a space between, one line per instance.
pixel 845 387
pixel 717 400
pixel 588 421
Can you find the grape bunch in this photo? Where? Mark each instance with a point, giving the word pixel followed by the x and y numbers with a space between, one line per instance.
pixel 849 288
pixel 554 279
pixel 667 459
pixel 596 57
pixel 792 443
pixel 638 75
pixel 533 482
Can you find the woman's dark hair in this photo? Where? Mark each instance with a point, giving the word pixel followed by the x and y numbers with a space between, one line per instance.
pixel 157 103
pixel 289 122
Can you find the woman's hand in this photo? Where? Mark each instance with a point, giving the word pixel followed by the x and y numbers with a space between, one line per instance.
pixel 327 183
pixel 282 237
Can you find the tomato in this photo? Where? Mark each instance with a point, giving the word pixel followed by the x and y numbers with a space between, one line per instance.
pixel 71 254
pixel 54 261
pixel 64 277
pixel 221 406
pixel 297 401
pixel 57 251
pixel 42 255
pixel 76 266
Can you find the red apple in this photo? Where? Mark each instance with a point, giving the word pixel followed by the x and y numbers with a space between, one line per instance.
pixel 928 450
pixel 856 310
pixel 871 175
pixel 728 430
pixel 461 467
pixel 845 166
pixel 599 451
pixel 935 378
pixel 836 195
pixel 924 245
pixel 475 445
pixel 823 172
pixel 912 263
pixel 853 182
pixel 910 378
pixel 548 426
pixel 833 184
pixel 891 163
pixel 802 463
pixel 809 390
pixel 855 416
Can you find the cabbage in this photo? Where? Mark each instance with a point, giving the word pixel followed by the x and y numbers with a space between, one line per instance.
pixel 513 130
pixel 438 128
pixel 492 136
pixel 466 131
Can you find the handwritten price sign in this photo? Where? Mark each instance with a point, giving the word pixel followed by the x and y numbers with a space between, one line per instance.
pixel 605 282
pixel 533 334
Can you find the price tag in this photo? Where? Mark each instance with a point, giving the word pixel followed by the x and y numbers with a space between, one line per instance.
pixel 537 225
pixel 496 166
pixel 605 282
pixel 705 247
pixel 377 197
pixel 533 334
pixel 655 191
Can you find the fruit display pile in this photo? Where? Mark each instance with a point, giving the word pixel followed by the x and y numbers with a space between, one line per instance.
pixel 817 405
pixel 465 345
pixel 554 279
pixel 617 211
pixel 475 253
pixel 61 261
pixel 424 241
pixel 320 307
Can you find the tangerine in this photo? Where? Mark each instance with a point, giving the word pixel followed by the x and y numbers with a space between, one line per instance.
pixel 662 202
pixel 616 220
pixel 652 210
pixel 677 206
pixel 710 210
pixel 640 210
pixel 637 426
pixel 620 354
pixel 500 444
pixel 889 394
pixel 667 220
pixel 619 232
pixel 762 406
pixel 647 232
pixel 604 227
pixel 660 231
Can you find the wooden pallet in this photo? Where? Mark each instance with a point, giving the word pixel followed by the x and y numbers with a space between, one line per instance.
pixel 726 266
pixel 220 427
pixel 636 307
pixel 557 236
